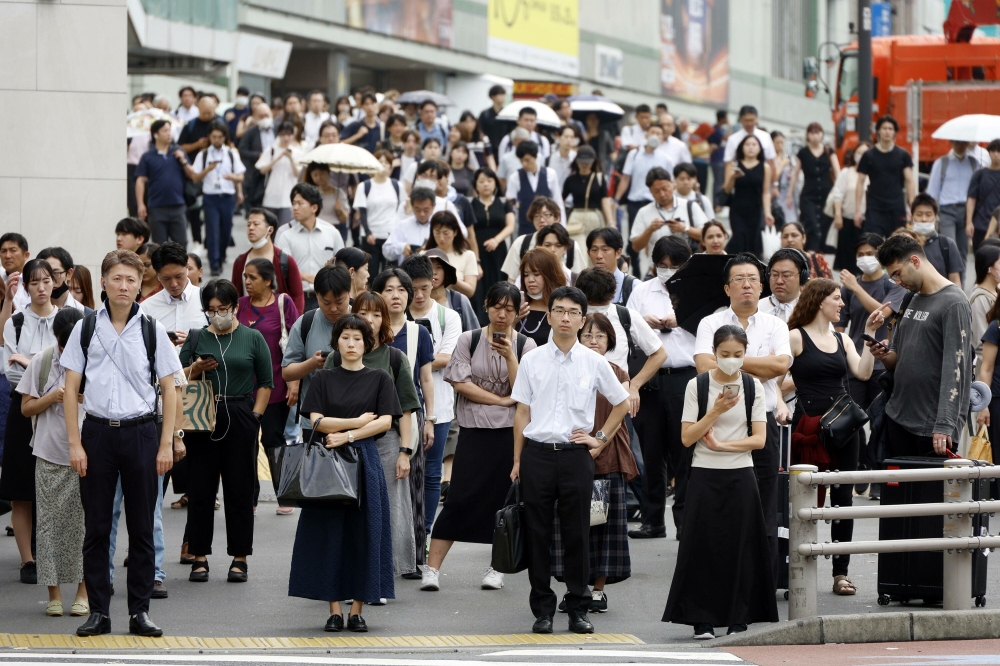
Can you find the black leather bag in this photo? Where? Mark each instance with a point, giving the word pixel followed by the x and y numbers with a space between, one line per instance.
pixel 313 475
pixel 841 422
pixel 510 548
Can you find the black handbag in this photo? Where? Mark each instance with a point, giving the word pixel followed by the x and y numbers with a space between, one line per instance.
pixel 510 550
pixel 313 475
pixel 841 422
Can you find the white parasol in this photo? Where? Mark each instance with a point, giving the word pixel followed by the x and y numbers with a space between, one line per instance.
pixel 975 127
pixel 140 122
pixel 546 116
pixel 343 158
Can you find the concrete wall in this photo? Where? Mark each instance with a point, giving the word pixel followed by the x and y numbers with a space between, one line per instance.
pixel 62 97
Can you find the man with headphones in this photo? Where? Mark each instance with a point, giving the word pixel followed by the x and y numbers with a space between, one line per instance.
pixel 787 272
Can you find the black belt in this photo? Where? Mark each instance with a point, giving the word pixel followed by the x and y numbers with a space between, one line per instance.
pixel 676 371
pixel 122 423
pixel 233 398
pixel 555 446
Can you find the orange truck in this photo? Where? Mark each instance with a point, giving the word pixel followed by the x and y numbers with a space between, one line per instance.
pixel 958 74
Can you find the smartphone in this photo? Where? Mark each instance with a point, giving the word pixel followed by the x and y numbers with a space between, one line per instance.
pixel 737 168
pixel 415 249
pixel 426 323
pixel 499 337
pixel 868 338
pixel 172 336
pixel 207 357
pixel 730 390
pixel 324 354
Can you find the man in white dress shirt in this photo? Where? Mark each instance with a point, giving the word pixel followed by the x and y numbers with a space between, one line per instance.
pixel 556 392
pixel 178 305
pixel 787 273
pixel 748 124
pixel 527 119
pixel 658 422
pixel 13 255
pixel 667 215
pixel 311 241
pixel 315 117
pixel 413 231
pixel 676 150
pixel 219 169
pixel 188 110
pixel 634 136
pixel 768 358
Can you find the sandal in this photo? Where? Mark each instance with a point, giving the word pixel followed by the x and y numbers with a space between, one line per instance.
pixel 181 503
pixel 199 576
pixel 239 576
pixel 843 586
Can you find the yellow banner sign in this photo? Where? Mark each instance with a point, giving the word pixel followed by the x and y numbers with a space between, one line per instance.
pixel 544 34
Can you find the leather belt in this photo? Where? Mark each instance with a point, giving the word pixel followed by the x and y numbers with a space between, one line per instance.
pixel 555 446
pixel 122 423
pixel 233 398
pixel 676 371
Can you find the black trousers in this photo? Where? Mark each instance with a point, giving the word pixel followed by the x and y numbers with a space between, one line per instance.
pixel 633 209
pixel 765 467
pixel 566 476
pixel 863 393
pixel 884 222
pixel 658 424
pixel 272 436
pixel 128 452
pixel 377 262
pixel 901 442
pixel 230 453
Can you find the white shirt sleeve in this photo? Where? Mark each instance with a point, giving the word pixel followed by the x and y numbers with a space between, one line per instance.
pixel 452 330
pixel 934 183
pixel 629 163
pixel 504 145
pixel 703 341
pixel 281 243
pixel 553 179
pixel 238 166
pixel 199 162
pixel 9 344
pixel 512 263
pixel 607 384
pixel 513 186
pixel 642 335
pixel 392 249
pixel 698 216
pixel 265 157
pixel 779 340
pixel 641 222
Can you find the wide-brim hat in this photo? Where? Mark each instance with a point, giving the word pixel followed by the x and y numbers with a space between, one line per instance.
pixel 450 272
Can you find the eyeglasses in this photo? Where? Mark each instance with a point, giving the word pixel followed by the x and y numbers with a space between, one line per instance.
pixel 545 213
pixel 593 337
pixel 786 276
pixel 56 273
pixel 744 279
pixel 559 312
pixel 221 311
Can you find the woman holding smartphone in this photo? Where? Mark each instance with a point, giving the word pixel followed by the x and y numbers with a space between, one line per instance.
pixel 482 369
pixel 723 582
pixel 822 359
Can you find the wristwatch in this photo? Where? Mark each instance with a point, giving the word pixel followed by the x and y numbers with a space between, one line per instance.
pixel 350 436
pixel 430 418
pixel 179 434
pixel 404 449
pixel 601 437
pixel 257 416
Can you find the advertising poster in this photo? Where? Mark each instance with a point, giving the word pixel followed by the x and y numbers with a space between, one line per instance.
pixel 427 21
pixel 544 34
pixel 694 57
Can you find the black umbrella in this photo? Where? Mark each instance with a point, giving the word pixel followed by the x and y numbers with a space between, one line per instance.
pixel 697 289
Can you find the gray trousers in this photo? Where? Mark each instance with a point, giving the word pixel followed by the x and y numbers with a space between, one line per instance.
pixel 951 219
pixel 168 223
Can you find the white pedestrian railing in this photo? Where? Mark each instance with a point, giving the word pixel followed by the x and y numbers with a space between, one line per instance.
pixel 958 541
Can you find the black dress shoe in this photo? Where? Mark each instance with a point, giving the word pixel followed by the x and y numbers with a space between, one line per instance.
pixel 335 623
pixel 579 624
pixel 542 625
pixel 413 575
pixel 96 624
pixel 199 576
pixel 648 532
pixel 141 624
pixel 357 623
pixel 29 573
pixel 736 629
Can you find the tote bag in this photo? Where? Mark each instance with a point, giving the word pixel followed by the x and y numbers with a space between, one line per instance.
pixel 313 475
pixel 198 406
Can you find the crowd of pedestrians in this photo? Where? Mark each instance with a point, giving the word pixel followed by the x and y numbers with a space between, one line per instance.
pixel 475 316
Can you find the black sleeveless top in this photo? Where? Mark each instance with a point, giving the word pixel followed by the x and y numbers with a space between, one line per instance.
pixel 819 376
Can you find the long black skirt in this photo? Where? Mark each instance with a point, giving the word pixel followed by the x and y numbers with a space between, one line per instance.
pixel 723 573
pixel 480 480
pixel 17 481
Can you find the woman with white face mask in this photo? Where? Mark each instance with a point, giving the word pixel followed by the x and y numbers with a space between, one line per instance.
pixel 715 584
pixel 541 274
pixel 237 361
pixel 822 358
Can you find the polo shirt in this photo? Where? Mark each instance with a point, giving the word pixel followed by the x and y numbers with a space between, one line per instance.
pixel 164 175
pixel 370 140
pixel 637 165
pixel 437 132
pixel 229 163
pixel 310 249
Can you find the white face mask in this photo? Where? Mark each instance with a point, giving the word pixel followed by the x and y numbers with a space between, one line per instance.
pixel 242 101
pixel 535 297
pixel 599 309
pixel 653 141
pixel 730 365
pixel 261 243
pixel 924 228
pixel 223 322
pixel 868 265
pixel 265 123
pixel 665 274
pixel 429 184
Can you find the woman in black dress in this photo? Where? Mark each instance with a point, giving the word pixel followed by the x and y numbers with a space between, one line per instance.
pixel 821 361
pixel 748 179
pixel 458 160
pixel 494 222
pixel 346 552
pixel 541 274
pixel 820 169
pixel 482 375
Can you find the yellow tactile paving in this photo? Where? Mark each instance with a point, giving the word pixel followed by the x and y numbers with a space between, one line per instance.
pixel 119 642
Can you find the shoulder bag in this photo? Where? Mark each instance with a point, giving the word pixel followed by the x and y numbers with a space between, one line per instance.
pixel 584 219
pixel 844 418
pixel 313 475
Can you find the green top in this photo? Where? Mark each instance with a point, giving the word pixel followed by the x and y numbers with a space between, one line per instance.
pixel 243 356
pixel 405 390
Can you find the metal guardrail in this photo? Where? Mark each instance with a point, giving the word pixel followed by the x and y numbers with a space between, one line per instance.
pixel 958 541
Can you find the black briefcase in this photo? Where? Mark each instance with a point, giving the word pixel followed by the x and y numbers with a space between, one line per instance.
pixel 909 576
pixel 510 548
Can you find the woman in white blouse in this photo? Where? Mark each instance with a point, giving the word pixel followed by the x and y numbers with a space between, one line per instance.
pixel 844 215
pixel 279 164
pixel 447 236
pixel 25 334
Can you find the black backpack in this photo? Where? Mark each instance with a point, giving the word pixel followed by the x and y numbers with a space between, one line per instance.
pixel 478 333
pixel 749 394
pixel 627 285
pixel 89 325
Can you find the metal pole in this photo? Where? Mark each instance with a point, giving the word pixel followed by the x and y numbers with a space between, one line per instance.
pixel 898 475
pixel 957 562
pixel 865 91
pixel 801 568
pixel 898 510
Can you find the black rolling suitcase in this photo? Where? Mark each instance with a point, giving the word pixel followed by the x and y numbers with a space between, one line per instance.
pixel 908 576
pixel 784 506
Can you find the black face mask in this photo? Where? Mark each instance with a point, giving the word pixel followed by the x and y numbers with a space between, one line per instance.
pixel 59 291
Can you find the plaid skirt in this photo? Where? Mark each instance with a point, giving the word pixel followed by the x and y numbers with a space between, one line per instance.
pixel 608 543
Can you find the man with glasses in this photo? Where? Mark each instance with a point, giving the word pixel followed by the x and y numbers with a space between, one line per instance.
pixel 787 273
pixel 768 358
pixel 62 272
pixel 931 354
pixel 556 392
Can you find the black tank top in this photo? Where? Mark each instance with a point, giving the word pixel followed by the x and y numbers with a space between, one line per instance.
pixel 819 376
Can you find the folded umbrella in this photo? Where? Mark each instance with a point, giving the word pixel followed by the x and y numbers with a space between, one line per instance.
pixel 420 96
pixel 343 158
pixel 976 127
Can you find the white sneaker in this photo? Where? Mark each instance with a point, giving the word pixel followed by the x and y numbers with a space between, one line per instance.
pixel 493 580
pixel 430 581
